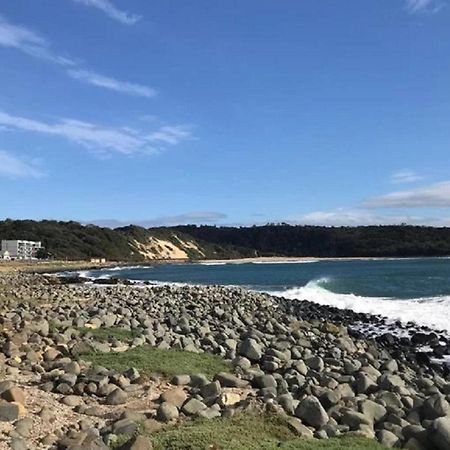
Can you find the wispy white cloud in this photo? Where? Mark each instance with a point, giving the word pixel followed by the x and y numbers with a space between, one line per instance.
pixel 29 42
pixel 13 167
pixel 195 217
pixel 93 136
pixel 435 195
pixel 103 81
pixel 170 134
pixel 360 216
pixel 111 11
pixel 420 6
pixel 405 176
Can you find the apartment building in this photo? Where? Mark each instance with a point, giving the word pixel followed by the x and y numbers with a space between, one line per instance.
pixel 20 249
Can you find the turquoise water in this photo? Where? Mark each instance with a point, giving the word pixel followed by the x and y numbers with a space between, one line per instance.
pixel 409 289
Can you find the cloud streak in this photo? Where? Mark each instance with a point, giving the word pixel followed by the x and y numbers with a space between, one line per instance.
pixel 29 42
pixel 405 176
pixel 434 196
pixel 113 84
pixel 93 136
pixel 111 11
pixel 364 217
pixel 171 135
pixel 32 44
pixel 421 6
pixel 13 167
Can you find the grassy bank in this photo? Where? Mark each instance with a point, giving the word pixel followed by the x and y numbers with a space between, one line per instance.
pixel 247 432
pixel 166 362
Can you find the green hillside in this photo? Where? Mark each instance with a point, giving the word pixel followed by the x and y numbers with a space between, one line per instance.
pixel 74 241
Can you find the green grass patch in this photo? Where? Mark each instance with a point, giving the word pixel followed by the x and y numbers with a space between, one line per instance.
pixel 247 432
pixel 105 334
pixel 167 362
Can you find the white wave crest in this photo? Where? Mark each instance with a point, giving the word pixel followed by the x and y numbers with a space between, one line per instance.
pixel 125 268
pixel 433 312
pixel 287 261
pixel 213 263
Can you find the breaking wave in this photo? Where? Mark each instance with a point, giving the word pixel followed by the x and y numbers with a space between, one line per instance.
pixel 433 312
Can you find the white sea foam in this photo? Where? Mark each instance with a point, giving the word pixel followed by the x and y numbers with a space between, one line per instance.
pixel 124 268
pixel 287 261
pixel 432 311
pixel 80 273
pixel 213 263
pixel 236 262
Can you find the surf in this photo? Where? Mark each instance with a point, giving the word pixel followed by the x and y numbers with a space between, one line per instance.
pixel 433 312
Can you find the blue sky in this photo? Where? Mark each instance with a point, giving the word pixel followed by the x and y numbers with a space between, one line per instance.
pixel 230 112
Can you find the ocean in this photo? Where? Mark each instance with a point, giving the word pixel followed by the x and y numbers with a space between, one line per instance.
pixel 410 290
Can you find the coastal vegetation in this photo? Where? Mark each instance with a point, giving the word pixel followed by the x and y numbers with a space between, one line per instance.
pixel 74 241
pixel 168 362
pixel 248 432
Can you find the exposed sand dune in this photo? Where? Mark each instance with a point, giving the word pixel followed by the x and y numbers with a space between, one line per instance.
pixel 163 249
pixel 159 249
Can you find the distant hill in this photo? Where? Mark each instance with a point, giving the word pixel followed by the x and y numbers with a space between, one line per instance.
pixel 71 240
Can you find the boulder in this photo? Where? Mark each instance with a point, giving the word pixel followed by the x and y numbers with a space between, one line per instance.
pixel 311 412
pixel 193 407
pixel 373 410
pixel 116 397
pixel 175 396
pixel 14 394
pixel 440 433
pixel 250 349
pixel 9 411
pixel 229 399
pixel 387 438
pixel 138 443
pixel 124 426
pixel 434 407
pixel 315 363
pixel 211 390
pixel 265 381
pixel 230 380
pixel 167 412
pixel 296 426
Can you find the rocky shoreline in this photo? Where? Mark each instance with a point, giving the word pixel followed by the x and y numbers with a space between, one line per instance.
pixel 315 365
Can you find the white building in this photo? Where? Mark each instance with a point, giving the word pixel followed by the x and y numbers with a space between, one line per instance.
pixel 18 249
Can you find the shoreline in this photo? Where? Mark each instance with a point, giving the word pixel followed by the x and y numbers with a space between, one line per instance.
pixel 306 259
pixel 301 361
pixel 364 325
pixel 61 265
